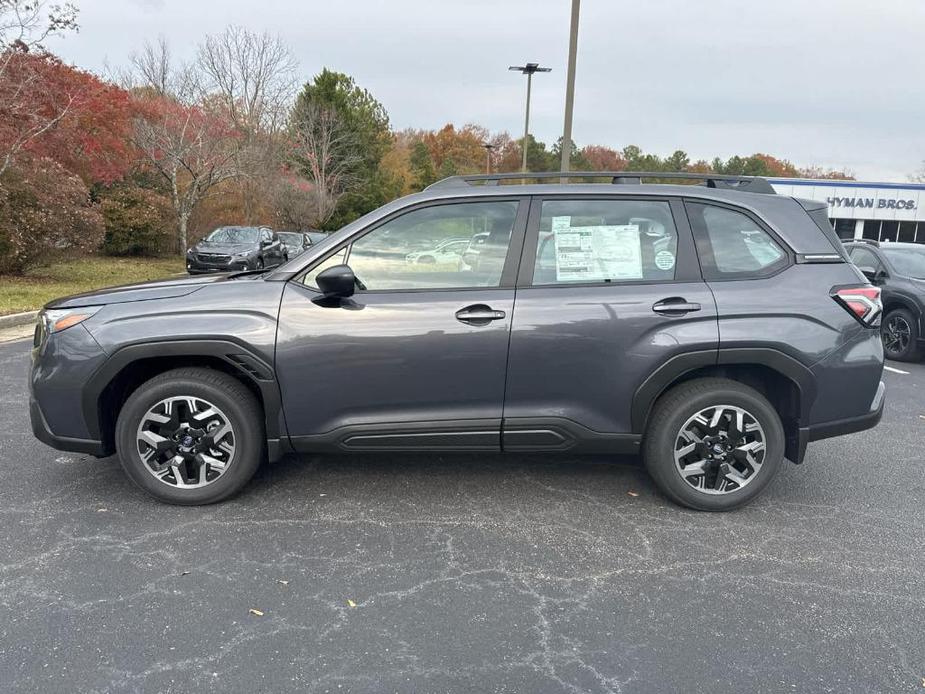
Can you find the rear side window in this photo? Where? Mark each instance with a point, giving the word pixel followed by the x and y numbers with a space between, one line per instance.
pixel 732 245
pixel 600 241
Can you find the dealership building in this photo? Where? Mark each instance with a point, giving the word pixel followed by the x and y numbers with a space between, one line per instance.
pixel 859 210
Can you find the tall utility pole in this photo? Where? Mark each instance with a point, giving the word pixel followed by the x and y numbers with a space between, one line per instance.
pixel 528 70
pixel 565 164
pixel 488 149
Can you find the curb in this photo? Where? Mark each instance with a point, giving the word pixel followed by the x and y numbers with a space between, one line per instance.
pixel 16 319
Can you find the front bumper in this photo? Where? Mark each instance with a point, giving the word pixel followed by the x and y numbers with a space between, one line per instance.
pixel 194 266
pixel 63 443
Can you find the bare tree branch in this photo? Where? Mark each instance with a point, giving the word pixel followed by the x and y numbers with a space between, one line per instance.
pixel 325 153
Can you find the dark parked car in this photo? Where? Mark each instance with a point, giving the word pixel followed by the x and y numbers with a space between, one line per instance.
pixel 228 249
pixel 715 328
pixel 899 270
pixel 294 241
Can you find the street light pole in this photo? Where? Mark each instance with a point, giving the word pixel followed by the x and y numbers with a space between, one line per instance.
pixel 527 70
pixel 566 146
pixel 488 149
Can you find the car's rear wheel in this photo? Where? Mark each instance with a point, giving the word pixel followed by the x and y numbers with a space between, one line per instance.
pixel 713 444
pixel 900 335
pixel 259 264
pixel 190 436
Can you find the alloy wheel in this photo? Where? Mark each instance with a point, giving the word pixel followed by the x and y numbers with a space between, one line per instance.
pixel 186 442
pixel 720 449
pixel 896 335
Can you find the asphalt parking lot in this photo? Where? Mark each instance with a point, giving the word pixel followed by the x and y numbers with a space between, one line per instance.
pixel 490 574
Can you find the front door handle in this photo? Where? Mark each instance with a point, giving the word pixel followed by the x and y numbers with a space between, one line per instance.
pixel 479 314
pixel 675 306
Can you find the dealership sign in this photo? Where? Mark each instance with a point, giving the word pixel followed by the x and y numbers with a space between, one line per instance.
pixel 878 203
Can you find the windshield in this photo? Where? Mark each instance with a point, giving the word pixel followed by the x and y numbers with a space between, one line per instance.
pixel 907 261
pixel 234 235
pixel 290 238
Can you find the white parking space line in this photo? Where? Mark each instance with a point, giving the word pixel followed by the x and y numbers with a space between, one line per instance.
pixel 895 371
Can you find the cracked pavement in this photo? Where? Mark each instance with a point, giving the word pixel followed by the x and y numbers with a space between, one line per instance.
pixel 482 573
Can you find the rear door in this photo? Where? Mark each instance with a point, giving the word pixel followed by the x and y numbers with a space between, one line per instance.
pixel 609 291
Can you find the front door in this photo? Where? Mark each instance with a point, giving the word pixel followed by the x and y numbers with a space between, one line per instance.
pixel 609 292
pixel 417 357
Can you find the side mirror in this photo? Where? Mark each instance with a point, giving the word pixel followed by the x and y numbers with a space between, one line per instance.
pixel 337 282
pixel 868 272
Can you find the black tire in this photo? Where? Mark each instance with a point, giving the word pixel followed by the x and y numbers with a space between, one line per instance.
pixel 230 396
pixel 681 403
pixel 259 264
pixel 900 334
pixel 427 260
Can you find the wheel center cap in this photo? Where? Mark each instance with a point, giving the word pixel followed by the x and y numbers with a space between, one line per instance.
pixel 718 448
pixel 186 443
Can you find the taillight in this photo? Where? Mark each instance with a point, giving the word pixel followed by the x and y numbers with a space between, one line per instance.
pixel 862 302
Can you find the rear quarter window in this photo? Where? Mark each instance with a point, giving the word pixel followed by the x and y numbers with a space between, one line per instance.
pixel 733 245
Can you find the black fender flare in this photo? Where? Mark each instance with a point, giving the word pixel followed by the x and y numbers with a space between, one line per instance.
pixel 240 358
pixel 661 379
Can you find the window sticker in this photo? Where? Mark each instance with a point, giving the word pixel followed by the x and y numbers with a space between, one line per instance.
pixel 596 253
pixel 664 260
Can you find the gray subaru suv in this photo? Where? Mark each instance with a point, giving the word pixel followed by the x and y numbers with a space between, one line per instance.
pixel 716 329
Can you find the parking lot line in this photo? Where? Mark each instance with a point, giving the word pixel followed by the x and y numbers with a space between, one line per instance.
pixel 895 371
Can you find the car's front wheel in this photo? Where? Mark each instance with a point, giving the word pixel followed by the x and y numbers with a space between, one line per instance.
pixel 900 335
pixel 190 436
pixel 713 444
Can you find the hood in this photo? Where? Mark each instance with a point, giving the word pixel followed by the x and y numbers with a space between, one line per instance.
pixel 224 248
pixel 157 289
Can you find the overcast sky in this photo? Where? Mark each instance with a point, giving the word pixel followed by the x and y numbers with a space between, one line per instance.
pixel 827 82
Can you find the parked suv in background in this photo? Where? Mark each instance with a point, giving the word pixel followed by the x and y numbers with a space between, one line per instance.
pixel 899 270
pixel 715 328
pixel 236 248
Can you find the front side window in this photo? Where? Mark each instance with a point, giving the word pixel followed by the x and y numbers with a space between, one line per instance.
pixel 459 245
pixel 594 241
pixel 733 245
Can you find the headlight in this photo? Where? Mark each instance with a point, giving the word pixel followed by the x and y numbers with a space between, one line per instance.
pixel 245 254
pixel 58 319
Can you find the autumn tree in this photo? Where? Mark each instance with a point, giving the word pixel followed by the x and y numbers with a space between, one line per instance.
pixel 251 77
pixel 30 106
pixel 45 212
pixel 180 133
pixel 601 158
pixel 67 114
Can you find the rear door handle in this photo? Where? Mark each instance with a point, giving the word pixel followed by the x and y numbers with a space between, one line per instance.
pixel 479 314
pixel 675 306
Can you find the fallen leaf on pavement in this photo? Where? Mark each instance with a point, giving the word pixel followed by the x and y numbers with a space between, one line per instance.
pixel 282 582
pixel 351 602
pixel 633 493
pixel 255 612
pixel 185 573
